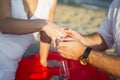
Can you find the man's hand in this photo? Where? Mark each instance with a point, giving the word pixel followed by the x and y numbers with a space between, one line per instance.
pixel 54 31
pixel 71 49
pixel 73 34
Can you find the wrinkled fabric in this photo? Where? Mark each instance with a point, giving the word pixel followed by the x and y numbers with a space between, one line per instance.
pixel 31 69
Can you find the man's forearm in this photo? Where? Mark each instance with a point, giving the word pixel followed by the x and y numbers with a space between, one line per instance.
pixel 105 62
pixel 94 41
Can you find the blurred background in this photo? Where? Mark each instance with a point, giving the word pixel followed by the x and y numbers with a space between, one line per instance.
pixel 84 16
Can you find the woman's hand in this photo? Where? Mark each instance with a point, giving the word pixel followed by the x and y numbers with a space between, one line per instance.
pixel 54 31
pixel 71 49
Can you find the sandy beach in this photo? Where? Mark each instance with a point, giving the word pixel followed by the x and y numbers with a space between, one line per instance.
pixel 83 20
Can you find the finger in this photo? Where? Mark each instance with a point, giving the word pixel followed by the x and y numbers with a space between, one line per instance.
pixel 68 39
pixel 66 51
pixel 61 45
pixel 63 32
pixel 62 55
pixel 68 31
pixel 54 43
pixel 61 49
pixel 64 44
pixel 67 54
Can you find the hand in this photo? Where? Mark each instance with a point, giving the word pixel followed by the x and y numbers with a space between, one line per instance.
pixel 71 49
pixel 73 34
pixel 54 31
pixel 44 37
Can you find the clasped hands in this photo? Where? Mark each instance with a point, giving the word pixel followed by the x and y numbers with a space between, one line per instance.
pixel 71 46
pixel 68 42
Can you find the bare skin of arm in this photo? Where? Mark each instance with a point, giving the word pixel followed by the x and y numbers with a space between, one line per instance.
pixel 52 11
pixel 9 25
pixel 105 62
pixel 17 26
pixel 45 40
pixel 101 60
pixel 97 57
pixel 93 40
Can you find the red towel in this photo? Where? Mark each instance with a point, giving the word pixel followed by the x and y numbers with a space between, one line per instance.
pixel 31 69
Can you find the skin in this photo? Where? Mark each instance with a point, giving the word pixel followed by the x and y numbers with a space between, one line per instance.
pixel 9 25
pixel 97 57
pixel 45 41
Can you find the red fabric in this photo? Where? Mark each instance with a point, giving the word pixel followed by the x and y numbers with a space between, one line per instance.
pixel 31 69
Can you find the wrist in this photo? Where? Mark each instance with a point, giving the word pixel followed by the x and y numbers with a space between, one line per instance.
pixel 92 56
pixel 44 24
pixel 84 58
pixel 82 40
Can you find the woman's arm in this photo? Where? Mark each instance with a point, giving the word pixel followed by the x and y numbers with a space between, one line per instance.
pixel 11 25
pixel 17 26
pixel 45 40
pixel 52 11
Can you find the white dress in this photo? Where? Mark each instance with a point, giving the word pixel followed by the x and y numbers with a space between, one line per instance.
pixel 12 47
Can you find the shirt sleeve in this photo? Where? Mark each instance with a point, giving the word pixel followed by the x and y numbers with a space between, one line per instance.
pixel 106 29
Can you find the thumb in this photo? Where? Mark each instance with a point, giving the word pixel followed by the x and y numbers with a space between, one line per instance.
pixel 57 41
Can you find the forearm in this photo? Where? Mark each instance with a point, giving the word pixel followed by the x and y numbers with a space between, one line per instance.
pixel 52 11
pixel 94 41
pixel 45 42
pixel 20 26
pixel 105 62
pixel 44 49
